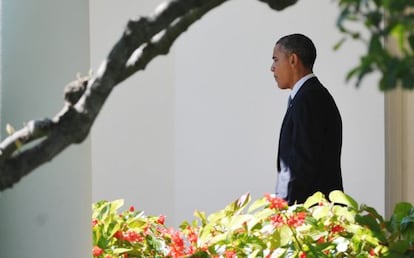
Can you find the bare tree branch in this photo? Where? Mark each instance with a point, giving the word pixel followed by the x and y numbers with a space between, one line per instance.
pixel 279 5
pixel 141 41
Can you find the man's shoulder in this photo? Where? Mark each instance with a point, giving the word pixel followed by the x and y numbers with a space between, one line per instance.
pixel 314 84
pixel 312 87
pixel 314 94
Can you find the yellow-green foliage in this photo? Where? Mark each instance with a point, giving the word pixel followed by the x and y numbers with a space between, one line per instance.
pixel 268 227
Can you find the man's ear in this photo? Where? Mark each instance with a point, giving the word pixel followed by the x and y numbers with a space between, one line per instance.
pixel 293 59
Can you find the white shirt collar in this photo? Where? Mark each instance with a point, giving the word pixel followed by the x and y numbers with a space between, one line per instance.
pixel 299 84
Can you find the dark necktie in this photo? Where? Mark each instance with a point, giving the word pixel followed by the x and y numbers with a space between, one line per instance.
pixel 289 101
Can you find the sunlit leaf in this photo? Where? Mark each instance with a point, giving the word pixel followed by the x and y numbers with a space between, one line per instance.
pixel 259 203
pixel 313 200
pixel 243 200
pixel 202 216
pixel 285 235
pixel 320 212
pixel 236 222
pixel 340 230
pixel 341 198
pixel 115 205
pixel 264 214
pixel 121 250
pixel 219 215
pixel 237 205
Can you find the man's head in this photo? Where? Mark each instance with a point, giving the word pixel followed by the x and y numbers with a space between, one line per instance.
pixel 293 58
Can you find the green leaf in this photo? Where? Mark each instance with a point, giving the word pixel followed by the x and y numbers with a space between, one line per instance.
pixel 375 46
pixel 369 221
pixel 352 73
pixel 103 211
pixel 339 44
pixel 400 246
pixel 113 228
pixel 341 18
pixel 411 41
pixel 254 254
pixel 263 214
pixel 236 222
pixel 243 200
pixel 200 254
pixel 260 203
pixel 373 212
pixel 313 200
pixel 408 80
pixel 317 252
pixel 205 234
pixel 103 242
pixel 388 81
pixel 121 250
pixel 341 198
pixel 218 238
pixel 285 235
pixel 401 210
pixel 373 225
pixel 136 223
pixel 395 255
pixel 115 205
pixel 344 212
pixel 406 222
pixel 238 205
pixel 398 32
pixel 374 18
pixel 202 216
pixel 320 212
pixel 398 5
pixel 218 216
pixel 96 236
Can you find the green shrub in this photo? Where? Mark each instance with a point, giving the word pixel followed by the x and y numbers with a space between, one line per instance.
pixel 268 227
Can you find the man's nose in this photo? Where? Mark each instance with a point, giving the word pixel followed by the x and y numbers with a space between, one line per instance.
pixel 272 68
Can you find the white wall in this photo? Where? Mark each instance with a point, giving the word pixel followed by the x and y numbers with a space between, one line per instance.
pixel 200 127
pixel 44 45
pixel 229 109
pixel 133 137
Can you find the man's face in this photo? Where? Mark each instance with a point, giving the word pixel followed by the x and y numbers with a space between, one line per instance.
pixel 282 68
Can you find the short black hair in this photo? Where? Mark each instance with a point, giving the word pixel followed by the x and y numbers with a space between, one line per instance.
pixel 301 46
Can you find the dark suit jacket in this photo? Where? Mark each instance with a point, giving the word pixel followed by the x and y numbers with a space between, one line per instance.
pixel 310 143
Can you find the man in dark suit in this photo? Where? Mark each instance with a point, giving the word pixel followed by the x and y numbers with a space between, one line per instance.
pixel 309 155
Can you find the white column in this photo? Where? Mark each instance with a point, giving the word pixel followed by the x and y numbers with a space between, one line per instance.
pixel 45 43
pixel 399 117
pixel 408 149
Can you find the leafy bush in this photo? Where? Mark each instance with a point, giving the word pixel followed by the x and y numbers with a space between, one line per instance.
pixel 387 31
pixel 268 227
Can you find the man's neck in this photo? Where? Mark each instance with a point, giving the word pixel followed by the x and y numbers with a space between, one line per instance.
pixel 300 73
pixel 299 84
